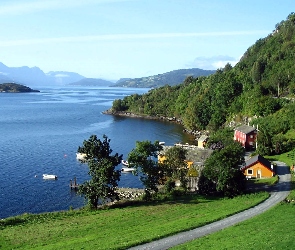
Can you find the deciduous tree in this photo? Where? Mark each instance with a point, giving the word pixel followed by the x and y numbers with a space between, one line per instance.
pixel 222 173
pixel 175 166
pixel 104 177
pixel 144 159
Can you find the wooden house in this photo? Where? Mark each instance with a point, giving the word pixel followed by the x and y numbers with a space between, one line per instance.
pixel 258 167
pixel 246 136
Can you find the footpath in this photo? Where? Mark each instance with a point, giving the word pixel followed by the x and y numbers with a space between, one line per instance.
pixel 279 193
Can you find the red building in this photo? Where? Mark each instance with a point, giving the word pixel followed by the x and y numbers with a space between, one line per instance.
pixel 246 136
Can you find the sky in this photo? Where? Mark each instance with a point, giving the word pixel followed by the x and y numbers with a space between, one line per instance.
pixel 113 39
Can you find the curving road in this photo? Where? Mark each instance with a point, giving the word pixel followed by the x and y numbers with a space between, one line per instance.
pixel 278 193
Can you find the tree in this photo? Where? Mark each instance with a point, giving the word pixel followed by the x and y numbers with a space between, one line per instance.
pixel 222 174
pixel 118 105
pixel 175 166
pixel 104 177
pixel 144 159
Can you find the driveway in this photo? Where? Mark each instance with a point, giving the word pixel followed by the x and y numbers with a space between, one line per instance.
pixel 279 192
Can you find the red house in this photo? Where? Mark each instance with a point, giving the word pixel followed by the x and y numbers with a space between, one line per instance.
pixel 246 136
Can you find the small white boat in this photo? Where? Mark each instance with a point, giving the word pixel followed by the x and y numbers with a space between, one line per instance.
pixel 49 177
pixel 125 163
pixel 127 169
pixel 161 143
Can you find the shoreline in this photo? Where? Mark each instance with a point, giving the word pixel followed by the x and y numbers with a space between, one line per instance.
pixel 132 115
pixel 196 134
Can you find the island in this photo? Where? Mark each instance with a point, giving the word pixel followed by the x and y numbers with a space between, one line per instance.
pixel 15 88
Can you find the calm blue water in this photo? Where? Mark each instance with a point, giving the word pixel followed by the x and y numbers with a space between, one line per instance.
pixel 40 133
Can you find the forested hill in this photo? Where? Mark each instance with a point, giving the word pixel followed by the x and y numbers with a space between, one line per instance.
pixel 260 89
pixel 171 78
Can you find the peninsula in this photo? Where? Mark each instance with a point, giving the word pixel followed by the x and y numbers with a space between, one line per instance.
pixel 15 88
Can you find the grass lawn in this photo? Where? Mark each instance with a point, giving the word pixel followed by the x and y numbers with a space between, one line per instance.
pixel 267 181
pixel 121 227
pixel 273 229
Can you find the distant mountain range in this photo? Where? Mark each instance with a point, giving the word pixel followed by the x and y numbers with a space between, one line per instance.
pixel 34 76
pixel 170 78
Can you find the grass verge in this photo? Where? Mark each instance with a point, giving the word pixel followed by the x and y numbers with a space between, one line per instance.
pixel 121 227
pixel 270 230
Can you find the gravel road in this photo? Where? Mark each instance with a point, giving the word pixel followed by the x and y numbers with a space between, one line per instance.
pixel 278 193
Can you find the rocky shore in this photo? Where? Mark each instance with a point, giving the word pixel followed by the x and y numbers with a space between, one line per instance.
pixel 129 114
pixel 195 133
pixel 130 193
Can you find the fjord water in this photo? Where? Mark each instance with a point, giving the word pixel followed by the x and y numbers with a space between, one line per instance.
pixel 40 134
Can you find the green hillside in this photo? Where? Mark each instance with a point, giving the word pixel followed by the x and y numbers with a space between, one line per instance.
pixel 172 78
pixel 258 90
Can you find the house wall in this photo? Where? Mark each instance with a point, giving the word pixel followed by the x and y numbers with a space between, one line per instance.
pixel 250 140
pixel 200 144
pixel 246 140
pixel 265 172
pixel 240 137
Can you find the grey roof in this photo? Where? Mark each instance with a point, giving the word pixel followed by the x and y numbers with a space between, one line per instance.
pixel 255 159
pixel 245 129
pixel 195 154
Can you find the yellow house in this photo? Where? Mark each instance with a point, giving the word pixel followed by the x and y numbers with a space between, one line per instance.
pixel 258 167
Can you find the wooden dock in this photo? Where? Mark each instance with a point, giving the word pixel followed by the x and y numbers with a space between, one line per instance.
pixel 74 184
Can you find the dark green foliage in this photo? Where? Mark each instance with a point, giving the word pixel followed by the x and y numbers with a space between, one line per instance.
pixel 15 88
pixel 104 177
pixel 222 136
pixel 175 167
pixel 272 138
pixel 144 159
pixel 222 174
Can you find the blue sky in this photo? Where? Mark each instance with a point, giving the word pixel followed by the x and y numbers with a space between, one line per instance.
pixel 114 39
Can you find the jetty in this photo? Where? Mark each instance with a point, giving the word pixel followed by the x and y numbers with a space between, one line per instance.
pixel 74 184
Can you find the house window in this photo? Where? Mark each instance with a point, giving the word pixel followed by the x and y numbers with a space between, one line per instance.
pixel 251 136
pixel 250 171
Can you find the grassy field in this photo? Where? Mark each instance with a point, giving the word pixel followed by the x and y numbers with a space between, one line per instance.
pixel 121 227
pixel 268 181
pixel 271 230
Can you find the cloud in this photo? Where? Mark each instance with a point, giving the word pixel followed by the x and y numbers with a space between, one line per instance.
pixel 24 7
pixel 114 37
pixel 212 63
